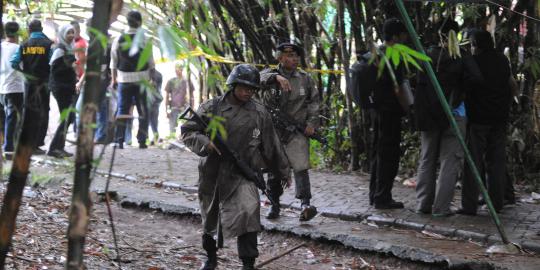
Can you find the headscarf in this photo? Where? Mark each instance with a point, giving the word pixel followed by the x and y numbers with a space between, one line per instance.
pixel 62 32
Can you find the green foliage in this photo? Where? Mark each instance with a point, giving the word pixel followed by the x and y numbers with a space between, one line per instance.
pixel 124 46
pixel 399 52
pixel 215 126
pixel 66 112
pixel 470 11
pixel 170 43
pixel 40 179
pixel 196 26
pixel 102 38
pixel 410 148
pixel 532 63
pixel 315 154
pixel 334 155
pixel 145 56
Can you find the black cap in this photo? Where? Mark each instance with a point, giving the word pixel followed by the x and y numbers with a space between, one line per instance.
pixel 11 29
pixel 134 18
pixel 35 26
pixel 244 74
pixel 393 27
pixel 286 46
pixel 445 25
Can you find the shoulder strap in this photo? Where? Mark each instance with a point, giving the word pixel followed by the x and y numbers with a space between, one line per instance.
pixel 215 106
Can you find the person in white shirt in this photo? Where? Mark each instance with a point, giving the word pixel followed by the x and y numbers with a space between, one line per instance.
pixel 11 89
pixel 125 71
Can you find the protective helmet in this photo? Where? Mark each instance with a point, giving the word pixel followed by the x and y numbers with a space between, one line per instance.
pixel 244 74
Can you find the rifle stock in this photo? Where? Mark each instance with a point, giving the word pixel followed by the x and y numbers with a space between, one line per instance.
pixel 245 169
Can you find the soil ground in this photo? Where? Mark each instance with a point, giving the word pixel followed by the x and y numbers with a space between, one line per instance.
pixel 152 240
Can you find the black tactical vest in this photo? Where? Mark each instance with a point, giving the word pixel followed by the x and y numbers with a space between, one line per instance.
pixel 126 62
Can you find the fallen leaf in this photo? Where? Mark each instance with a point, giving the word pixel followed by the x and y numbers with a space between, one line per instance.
pixel 188 258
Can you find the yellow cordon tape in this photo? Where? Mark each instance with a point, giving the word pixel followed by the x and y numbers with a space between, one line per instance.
pixel 219 59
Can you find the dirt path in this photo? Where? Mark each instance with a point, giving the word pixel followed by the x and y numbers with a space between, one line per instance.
pixel 151 240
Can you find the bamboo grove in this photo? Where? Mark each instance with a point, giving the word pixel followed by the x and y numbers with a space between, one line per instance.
pixel 333 33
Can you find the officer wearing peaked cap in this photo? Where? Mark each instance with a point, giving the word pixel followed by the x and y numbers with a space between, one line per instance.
pixel 292 91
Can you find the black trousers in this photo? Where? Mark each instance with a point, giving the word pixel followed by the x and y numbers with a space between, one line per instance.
pixel 246 244
pixel 301 183
pixel 44 98
pixel 35 114
pixel 11 118
pixel 385 156
pixel 487 145
pixel 66 98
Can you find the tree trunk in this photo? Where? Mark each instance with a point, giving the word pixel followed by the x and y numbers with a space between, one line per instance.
pixel 79 214
pixel 19 172
pixel 354 164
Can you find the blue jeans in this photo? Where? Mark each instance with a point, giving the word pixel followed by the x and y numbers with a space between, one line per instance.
pixel 127 93
pixel 154 115
pixel 102 117
pixel 12 118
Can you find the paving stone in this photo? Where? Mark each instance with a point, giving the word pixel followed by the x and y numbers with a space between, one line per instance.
pixel 343 196
pixel 410 225
pixel 475 236
pixel 531 245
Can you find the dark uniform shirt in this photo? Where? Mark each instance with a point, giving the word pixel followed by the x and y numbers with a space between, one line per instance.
pixel 489 102
pixel 34 54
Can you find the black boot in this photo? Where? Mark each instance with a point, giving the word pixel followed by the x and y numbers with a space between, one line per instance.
pixel 273 213
pixel 308 211
pixel 211 262
pixel 209 244
pixel 248 263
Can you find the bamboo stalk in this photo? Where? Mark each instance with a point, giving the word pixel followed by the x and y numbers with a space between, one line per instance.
pixel 79 214
pixel 280 255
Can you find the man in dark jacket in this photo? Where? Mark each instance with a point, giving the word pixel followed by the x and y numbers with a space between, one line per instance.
pixel 438 141
pixel 488 110
pixel 387 125
pixel 32 59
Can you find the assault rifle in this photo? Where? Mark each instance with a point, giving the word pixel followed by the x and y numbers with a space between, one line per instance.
pixel 253 176
pixel 285 122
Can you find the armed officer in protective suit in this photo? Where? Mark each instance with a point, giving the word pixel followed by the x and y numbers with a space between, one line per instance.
pixel 229 202
pixel 292 92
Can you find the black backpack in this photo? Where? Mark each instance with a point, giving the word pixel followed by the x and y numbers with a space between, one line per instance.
pixel 363 77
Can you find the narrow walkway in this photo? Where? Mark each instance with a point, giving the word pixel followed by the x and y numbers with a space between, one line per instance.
pixel 344 196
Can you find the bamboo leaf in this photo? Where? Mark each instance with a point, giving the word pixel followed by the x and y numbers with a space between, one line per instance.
pixel 413 53
pixel 145 56
pixel 215 126
pixel 406 58
pixel 126 45
pixel 395 57
pixel 187 19
pixel 169 44
pixel 102 38
pixel 66 112
pixel 414 63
